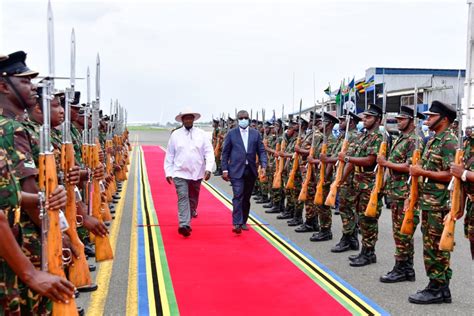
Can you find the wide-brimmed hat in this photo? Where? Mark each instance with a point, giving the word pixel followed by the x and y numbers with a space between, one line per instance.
pixel 187 111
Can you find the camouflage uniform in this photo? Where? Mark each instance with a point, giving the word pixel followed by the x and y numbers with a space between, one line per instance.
pixel 364 180
pixel 434 204
pixel 270 165
pixel 292 202
pixel 77 144
pixel 347 189
pixel 469 188
pixel 398 190
pixel 324 211
pixel 310 207
pixel 278 197
pixel 9 204
pixel 23 166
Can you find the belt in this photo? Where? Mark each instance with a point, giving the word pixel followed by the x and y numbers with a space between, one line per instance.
pixel 359 169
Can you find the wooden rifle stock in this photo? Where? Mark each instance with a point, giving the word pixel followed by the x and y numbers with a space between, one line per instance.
pixel 447 237
pixel 331 198
pixel 79 273
pixel 309 170
pixel 48 181
pixel 102 244
pixel 290 184
pixel 319 196
pixel 371 210
pixel 262 177
pixel 408 226
pixel 281 165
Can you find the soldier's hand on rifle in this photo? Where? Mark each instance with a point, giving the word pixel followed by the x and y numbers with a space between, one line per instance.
pixel 416 170
pixel 323 157
pixel 95 227
pixel 457 170
pixel 51 286
pixel 225 176
pixel 341 156
pixel 73 175
pixel 298 149
pixel 381 161
pixel 101 155
pixel 57 199
pixel 207 175
pixel 169 180
pixel 99 172
pixel 313 160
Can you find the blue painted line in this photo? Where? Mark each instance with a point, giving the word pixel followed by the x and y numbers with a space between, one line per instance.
pixel 316 262
pixel 143 308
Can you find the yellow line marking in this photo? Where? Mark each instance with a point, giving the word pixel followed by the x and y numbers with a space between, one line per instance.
pixel 158 263
pixel 303 264
pixel 99 297
pixel 132 293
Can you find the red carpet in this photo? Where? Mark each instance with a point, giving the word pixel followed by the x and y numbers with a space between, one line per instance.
pixel 215 272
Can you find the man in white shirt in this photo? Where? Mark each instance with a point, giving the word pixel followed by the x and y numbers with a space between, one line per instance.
pixel 189 159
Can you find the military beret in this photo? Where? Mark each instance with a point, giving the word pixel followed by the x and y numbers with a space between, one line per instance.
pixel 443 109
pixel 14 66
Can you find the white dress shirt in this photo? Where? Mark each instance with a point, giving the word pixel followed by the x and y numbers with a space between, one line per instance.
pixel 189 154
pixel 244 132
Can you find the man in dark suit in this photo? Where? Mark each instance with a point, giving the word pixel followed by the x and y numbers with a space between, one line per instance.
pixel 241 147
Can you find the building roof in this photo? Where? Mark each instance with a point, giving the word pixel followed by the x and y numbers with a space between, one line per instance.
pixel 419 71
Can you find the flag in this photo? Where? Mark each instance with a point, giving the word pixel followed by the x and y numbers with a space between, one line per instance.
pixel 328 90
pixel 351 84
pixel 338 96
pixel 344 89
pixel 273 119
pixel 369 84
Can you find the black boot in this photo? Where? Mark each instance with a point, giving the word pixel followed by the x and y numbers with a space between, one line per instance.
pixel 309 226
pixel 269 205
pixel 287 214
pixel 264 200
pixel 343 245
pixel 322 235
pixel 367 257
pixel 354 241
pixel 409 271
pixel 434 293
pixel 297 218
pixel 397 274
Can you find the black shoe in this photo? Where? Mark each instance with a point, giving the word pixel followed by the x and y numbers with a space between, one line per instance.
pixel 354 242
pixel 263 200
pixel 336 211
pixel 295 222
pixel 432 294
pixel 89 250
pixel 285 215
pixel 92 267
pixel 237 229
pixel 367 257
pixel 88 288
pixel 185 231
pixel 76 293
pixel 194 214
pixel 306 228
pixel 323 235
pixel 269 205
pixel 398 274
pixel 80 311
pixel 276 209
pixel 343 245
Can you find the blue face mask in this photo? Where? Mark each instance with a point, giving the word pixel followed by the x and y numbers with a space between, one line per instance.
pixel 360 126
pixel 244 123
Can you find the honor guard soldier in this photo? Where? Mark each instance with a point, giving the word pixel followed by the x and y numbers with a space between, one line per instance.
pixel 433 201
pixel 398 190
pixel 363 158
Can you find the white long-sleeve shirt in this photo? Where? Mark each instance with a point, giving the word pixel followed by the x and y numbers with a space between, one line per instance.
pixel 189 154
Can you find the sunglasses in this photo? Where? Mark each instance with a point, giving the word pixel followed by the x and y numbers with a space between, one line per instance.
pixel 243 118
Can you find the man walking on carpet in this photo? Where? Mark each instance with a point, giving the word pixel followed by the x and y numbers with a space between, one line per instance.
pixel 241 147
pixel 189 159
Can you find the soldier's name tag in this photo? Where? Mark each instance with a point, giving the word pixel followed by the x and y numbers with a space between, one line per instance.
pixel 30 164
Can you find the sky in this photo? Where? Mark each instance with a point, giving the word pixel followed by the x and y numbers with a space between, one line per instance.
pixel 160 57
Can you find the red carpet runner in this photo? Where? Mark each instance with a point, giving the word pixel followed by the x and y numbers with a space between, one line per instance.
pixel 215 272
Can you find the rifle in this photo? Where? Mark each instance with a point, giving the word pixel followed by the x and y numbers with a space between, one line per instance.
pixel 371 210
pixel 331 198
pixel 446 242
pixel 319 196
pixel 309 167
pixel 261 172
pixel 217 149
pixel 280 161
pixel 102 244
pixel 79 273
pixel 291 178
pixel 51 235
pixel 408 225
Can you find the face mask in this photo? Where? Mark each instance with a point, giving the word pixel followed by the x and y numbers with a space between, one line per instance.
pixel 244 123
pixel 360 126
